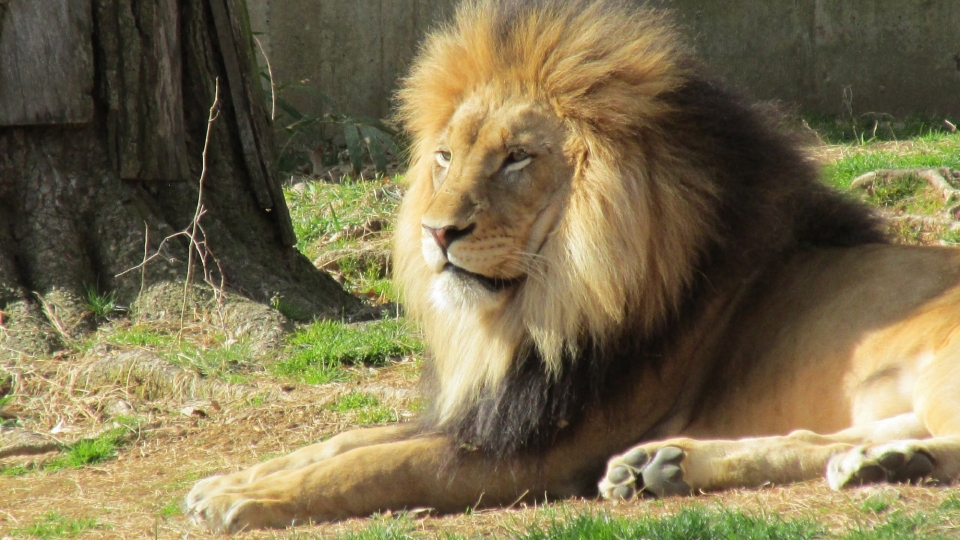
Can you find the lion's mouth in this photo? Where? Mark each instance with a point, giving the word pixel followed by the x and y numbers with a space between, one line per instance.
pixel 492 284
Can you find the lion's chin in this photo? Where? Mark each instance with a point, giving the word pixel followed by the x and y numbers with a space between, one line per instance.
pixel 456 288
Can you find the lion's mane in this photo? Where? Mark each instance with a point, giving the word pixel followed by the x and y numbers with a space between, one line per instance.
pixel 681 193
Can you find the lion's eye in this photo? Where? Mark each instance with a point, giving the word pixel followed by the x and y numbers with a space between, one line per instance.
pixel 443 158
pixel 517 159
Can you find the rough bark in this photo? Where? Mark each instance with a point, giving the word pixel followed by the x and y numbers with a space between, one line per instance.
pixel 83 197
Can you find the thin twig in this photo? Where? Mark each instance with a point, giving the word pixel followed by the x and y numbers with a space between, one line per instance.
pixel 198 213
pixel 273 90
pixel 143 264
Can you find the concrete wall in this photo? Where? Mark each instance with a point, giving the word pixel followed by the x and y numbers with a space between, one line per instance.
pixel 892 56
pixel 352 50
pixel 884 56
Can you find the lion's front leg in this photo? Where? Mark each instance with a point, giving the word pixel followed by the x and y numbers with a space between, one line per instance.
pixel 418 472
pixel 299 459
pixel 686 466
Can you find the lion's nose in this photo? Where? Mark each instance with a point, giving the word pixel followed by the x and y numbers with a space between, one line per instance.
pixel 445 236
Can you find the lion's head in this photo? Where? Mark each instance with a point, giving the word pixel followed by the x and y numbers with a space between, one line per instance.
pixel 558 191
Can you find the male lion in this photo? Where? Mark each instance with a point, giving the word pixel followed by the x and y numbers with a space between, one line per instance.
pixel 606 250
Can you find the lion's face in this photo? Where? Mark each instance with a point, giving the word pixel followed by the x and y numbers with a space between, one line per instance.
pixel 500 174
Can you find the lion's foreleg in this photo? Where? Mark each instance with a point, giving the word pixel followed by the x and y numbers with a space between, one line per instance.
pixel 396 475
pixel 685 466
pixel 301 458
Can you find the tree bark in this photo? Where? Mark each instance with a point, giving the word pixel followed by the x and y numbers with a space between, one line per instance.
pixel 104 110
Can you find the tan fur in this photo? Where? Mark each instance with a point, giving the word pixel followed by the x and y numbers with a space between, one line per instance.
pixel 795 362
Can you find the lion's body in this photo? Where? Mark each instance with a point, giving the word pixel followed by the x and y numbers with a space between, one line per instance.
pixel 605 250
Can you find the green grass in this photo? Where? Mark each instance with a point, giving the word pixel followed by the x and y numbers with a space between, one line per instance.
pixel 226 362
pixel 14 470
pixel 900 526
pixel 208 354
pixel 102 305
pixel 688 523
pixel 353 401
pixel 951 504
pixel 368 409
pixel 908 195
pixel 89 451
pixel 319 209
pixel 878 503
pixel 173 508
pixel 140 336
pixel 691 523
pixel 348 226
pixel 943 152
pixel 383 529
pixel 319 352
pixel 54 525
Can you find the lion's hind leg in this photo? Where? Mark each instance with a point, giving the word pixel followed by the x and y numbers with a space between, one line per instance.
pixel 685 466
pixel 935 459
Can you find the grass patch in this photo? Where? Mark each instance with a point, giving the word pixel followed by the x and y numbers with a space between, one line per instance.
pixel 938 151
pixel 368 409
pixel 906 195
pixel 206 352
pixel 89 451
pixel 139 336
pixel 54 525
pixel 173 508
pixel 346 227
pixel 221 361
pixel 878 503
pixel 951 504
pixel 911 195
pixel 14 470
pixel 319 352
pixel 320 209
pixel 686 524
pixel 900 526
pixel 102 306
pixel 353 401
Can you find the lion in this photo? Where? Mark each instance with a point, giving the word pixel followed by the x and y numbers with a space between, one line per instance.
pixel 631 283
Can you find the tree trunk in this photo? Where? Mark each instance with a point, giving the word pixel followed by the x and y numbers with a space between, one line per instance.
pixel 104 108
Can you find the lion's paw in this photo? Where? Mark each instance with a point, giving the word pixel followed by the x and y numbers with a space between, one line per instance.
pixel 215 484
pixel 898 462
pixel 213 503
pixel 218 512
pixel 231 510
pixel 656 472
